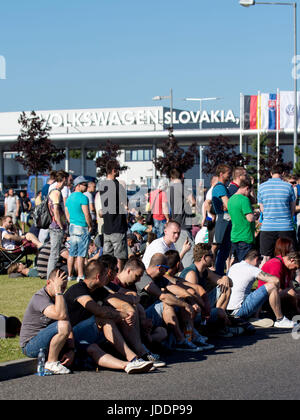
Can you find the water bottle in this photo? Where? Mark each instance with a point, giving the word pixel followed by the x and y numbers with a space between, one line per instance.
pixel 41 363
pixel 188 331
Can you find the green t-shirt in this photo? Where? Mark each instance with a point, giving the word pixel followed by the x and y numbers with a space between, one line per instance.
pixel 242 230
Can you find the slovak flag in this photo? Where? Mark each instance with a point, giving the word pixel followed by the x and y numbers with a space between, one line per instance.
pixel 260 111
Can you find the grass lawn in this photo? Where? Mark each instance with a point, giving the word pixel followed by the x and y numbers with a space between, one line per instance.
pixel 15 295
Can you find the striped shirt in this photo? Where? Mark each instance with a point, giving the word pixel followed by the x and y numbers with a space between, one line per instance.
pixel 276 197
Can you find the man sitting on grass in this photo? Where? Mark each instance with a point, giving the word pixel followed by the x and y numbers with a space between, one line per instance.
pixel 46 325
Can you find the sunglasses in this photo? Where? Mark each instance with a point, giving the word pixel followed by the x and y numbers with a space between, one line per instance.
pixel 163 266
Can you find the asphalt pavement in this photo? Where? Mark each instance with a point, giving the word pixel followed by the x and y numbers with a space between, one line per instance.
pixel 260 367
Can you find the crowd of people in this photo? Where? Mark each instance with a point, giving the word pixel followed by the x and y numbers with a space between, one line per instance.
pixel 168 284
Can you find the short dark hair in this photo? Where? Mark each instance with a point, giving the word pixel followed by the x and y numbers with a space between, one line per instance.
pixel 200 250
pixel 61 175
pixel 175 174
pixel 109 261
pixel 111 165
pixel 134 263
pixel 94 266
pixel 222 168
pixel 277 169
pixel 253 253
pixel 245 183
pixel 173 258
pixel 157 259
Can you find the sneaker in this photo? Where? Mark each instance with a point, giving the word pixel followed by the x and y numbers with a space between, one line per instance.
pixel 284 323
pixel 262 323
pixel 79 279
pixel 204 346
pixel 72 278
pixel 138 366
pixel 200 337
pixel 57 368
pixel 155 359
pixel 187 346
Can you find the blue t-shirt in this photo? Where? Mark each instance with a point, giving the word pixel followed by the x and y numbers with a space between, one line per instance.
pixel 73 204
pixel 276 197
pixel 219 190
pixel 139 228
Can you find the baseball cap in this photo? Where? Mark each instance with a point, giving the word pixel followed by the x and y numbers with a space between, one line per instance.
pixel 79 180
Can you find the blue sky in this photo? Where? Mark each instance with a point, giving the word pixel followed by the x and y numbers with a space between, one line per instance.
pixel 120 53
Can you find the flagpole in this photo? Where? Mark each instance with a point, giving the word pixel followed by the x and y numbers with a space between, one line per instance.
pixel 277 119
pixel 241 121
pixel 258 140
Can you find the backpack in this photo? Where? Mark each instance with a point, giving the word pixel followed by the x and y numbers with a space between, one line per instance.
pixel 41 215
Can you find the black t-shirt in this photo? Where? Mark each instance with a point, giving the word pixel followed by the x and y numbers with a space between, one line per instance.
pixel 77 313
pixel 113 201
pixel 181 210
pixel 146 299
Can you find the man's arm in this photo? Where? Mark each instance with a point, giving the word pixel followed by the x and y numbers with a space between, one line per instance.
pixel 268 278
pixel 55 197
pixel 58 311
pixel 167 297
pixel 87 215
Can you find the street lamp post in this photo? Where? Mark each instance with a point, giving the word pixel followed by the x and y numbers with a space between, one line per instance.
pixel 200 100
pixel 160 98
pixel 247 3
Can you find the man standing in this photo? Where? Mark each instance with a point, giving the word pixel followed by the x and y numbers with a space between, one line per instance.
pixel 277 203
pixel 12 205
pixel 220 197
pixel 90 193
pixel 114 211
pixel 58 224
pixel 78 215
pixel 181 201
pixel 242 218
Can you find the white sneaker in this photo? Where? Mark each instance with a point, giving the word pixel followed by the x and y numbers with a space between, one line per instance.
pixel 138 366
pixel 57 368
pixel 284 323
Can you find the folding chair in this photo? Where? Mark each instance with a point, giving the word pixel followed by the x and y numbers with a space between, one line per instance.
pixel 11 256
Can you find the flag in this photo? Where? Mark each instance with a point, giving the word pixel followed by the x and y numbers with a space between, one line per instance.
pixel 250 112
pixel 260 111
pixel 287 109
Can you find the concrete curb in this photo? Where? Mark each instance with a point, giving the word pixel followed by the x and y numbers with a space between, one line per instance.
pixel 17 369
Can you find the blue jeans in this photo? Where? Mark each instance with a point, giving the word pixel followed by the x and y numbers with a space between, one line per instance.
pixel 79 241
pixel 240 250
pixel 252 303
pixel 56 241
pixel 159 227
pixel 223 251
pixel 41 341
pixel 87 333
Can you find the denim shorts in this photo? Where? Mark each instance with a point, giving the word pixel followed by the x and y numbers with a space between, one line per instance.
pixel 87 333
pixel 41 341
pixel 79 241
pixel 155 313
pixel 252 303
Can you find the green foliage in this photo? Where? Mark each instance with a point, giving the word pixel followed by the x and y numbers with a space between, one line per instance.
pixel 110 151
pixel 174 157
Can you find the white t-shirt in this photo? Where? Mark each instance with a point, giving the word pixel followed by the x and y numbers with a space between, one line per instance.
pixel 208 197
pixel 158 246
pixel 11 203
pixel 243 275
pixel 7 243
pixel 65 192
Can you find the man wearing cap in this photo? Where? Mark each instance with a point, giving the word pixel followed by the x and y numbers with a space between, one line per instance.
pixel 79 217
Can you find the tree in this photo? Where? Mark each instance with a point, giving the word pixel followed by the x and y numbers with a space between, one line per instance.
pixel 109 151
pixel 174 157
pixel 36 152
pixel 269 156
pixel 220 150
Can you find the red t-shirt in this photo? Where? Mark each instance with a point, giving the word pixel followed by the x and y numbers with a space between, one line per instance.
pixel 157 207
pixel 276 267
